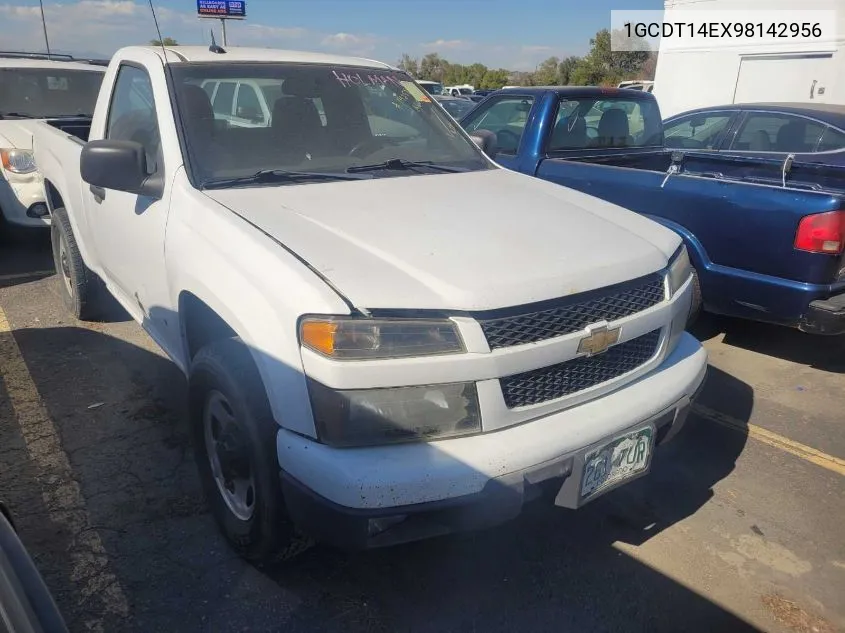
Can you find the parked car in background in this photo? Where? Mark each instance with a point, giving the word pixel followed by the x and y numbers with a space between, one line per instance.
pixel 766 235
pixel 431 87
pixel 479 95
pixel 637 84
pixel 813 133
pixel 246 103
pixel 32 87
pixel 26 605
pixel 364 365
pixel 455 106
pixel 458 91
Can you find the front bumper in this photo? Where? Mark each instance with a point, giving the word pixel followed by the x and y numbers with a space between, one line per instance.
pixel 377 496
pixel 825 316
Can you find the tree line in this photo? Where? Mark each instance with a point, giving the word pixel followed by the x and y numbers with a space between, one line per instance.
pixel 599 67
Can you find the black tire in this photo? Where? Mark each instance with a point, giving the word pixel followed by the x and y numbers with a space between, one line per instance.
pixel 226 367
pixel 696 305
pixel 78 286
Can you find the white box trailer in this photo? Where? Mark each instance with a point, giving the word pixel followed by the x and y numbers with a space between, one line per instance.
pixel 729 70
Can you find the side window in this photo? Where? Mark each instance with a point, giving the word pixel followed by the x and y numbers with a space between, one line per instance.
pixel 697 131
pixel 506 118
pixel 772 132
pixel 223 99
pixel 613 122
pixel 387 115
pixel 832 140
pixel 209 87
pixel 132 114
pixel 248 106
pixel 318 103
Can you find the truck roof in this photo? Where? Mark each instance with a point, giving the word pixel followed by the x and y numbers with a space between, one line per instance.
pixel 16 62
pixel 244 54
pixel 830 113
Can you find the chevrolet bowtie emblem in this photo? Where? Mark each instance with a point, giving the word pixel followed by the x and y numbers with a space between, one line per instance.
pixel 598 340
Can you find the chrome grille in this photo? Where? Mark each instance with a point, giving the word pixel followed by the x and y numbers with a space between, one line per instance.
pixel 575 375
pixel 572 313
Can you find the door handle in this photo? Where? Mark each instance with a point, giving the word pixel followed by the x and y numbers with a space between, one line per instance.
pixel 99 193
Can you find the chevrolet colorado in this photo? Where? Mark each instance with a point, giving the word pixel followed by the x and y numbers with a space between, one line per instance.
pixel 367 364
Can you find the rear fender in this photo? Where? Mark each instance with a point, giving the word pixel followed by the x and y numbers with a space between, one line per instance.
pixel 56 156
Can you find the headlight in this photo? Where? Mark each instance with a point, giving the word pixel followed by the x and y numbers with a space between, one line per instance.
pixel 367 417
pixel 349 338
pixel 680 270
pixel 18 161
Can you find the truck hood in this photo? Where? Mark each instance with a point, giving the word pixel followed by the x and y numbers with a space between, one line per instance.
pixel 16 133
pixel 470 241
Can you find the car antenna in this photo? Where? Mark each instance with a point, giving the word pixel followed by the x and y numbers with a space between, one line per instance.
pixel 214 48
pixel 158 30
pixel 44 24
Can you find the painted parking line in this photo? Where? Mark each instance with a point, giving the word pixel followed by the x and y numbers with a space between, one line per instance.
pixel 60 492
pixel 807 453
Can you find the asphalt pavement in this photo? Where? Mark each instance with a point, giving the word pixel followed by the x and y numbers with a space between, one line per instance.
pixel 739 526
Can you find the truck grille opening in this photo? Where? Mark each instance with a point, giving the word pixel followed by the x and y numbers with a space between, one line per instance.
pixel 573 314
pixel 572 376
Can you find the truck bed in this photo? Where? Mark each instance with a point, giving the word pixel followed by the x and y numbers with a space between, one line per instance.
pixel 78 128
pixel 801 176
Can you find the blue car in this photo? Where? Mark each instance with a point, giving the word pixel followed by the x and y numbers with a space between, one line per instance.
pixel 812 133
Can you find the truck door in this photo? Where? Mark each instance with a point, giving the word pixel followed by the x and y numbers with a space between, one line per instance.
pixel 128 229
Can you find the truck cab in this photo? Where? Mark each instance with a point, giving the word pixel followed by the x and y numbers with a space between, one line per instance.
pixel 369 362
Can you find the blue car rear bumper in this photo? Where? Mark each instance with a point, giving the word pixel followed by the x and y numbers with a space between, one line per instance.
pixel 814 308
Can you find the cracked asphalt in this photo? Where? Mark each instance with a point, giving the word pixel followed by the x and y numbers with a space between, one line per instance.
pixel 732 531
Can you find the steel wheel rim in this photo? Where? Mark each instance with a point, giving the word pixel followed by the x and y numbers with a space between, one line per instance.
pixel 64 265
pixel 228 455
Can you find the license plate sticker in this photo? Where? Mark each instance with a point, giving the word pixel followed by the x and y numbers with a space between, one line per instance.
pixel 618 460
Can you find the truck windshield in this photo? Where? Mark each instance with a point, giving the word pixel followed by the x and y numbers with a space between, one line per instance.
pixel 241 119
pixel 41 93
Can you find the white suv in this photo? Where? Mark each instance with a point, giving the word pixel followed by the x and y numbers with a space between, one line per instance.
pixel 37 87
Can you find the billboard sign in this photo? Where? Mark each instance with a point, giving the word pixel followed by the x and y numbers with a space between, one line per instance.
pixel 221 9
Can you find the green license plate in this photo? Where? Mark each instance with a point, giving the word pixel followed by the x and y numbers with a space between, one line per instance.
pixel 618 460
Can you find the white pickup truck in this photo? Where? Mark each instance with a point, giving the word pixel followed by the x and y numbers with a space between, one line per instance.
pixel 368 364
pixel 35 87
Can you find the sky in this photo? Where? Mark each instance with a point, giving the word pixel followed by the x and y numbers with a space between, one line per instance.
pixel 497 33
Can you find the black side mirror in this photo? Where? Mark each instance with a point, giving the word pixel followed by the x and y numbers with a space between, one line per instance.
pixel 119 165
pixel 486 140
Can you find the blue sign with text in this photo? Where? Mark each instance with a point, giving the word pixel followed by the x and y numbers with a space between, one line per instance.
pixel 221 8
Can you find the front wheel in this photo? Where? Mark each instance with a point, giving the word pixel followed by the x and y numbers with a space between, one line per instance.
pixel 78 285
pixel 234 436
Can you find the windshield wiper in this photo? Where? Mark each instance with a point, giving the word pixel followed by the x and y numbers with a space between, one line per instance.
pixel 400 164
pixel 16 115
pixel 275 175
